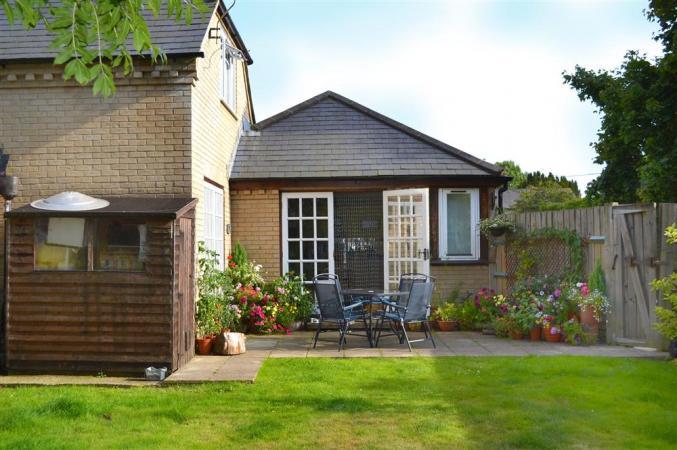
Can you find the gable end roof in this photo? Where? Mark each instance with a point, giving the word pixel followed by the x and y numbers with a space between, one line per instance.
pixel 494 169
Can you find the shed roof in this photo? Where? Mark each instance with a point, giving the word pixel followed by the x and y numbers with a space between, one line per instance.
pixel 172 208
pixel 330 136
pixel 175 38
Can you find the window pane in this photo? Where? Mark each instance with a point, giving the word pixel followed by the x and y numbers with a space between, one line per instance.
pixel 60 244
pixel 307 207
pixel 322 250
pixel 294 250
pixel 458 224
pixel 293 229
pixel 308 271
pixel 309 250
pixel 322 228
pixel 295 268
pixel 308 229
pixel 322 267
pixel 292 207
pixel 120 245
pixel 321 207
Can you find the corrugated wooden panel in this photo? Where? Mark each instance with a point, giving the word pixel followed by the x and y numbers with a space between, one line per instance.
pixel 82 321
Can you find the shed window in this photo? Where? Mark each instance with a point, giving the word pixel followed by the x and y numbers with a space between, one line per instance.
pixel 458 224
pixel 120 245
pixel 60 244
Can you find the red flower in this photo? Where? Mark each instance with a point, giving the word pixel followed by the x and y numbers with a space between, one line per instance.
pixel 232 264
pixel 230 257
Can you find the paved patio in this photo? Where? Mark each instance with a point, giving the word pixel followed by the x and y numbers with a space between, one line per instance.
pixel 245 367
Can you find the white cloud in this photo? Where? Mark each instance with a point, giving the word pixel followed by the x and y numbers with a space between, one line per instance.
pixel 496 95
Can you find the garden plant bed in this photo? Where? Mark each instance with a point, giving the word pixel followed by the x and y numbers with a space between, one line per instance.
pixel 464 402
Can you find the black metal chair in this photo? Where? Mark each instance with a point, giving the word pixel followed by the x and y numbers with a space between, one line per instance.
pixel 334 310
pixel 413 308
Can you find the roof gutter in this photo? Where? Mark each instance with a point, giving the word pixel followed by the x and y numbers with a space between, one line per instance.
pixel 500 195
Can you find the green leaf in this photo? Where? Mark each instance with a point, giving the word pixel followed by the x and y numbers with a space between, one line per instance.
pixel 64 56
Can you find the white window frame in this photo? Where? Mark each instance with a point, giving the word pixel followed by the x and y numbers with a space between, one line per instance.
pixel 228 73
pixel 474 224
pixel 330 232
pixel 214 235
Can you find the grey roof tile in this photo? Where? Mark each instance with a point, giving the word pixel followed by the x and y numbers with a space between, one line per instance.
pixel 18 44
pixel 332 136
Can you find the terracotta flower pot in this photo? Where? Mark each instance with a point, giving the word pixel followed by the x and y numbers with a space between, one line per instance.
pixel 516 335
pixel 535 334
pixel 550 335
pixel 588 319
pixel 447 325
pixel 204 345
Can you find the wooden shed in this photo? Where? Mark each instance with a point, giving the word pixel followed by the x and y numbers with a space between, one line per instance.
pixel 106 290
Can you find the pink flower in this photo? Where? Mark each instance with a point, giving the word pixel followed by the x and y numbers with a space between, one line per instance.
pixel 259 323
pixel 585 290
pixel 557 292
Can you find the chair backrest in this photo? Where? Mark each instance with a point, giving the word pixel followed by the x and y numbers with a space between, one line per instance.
pixel 329 296
pixel 419 300
pixel 406 280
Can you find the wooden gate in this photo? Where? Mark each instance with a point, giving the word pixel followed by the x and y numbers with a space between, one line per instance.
pixel 633 256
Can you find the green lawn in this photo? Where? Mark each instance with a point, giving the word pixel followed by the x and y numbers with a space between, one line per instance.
pixel 533 402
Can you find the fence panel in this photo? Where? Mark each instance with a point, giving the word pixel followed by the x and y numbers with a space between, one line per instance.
pixel 628 242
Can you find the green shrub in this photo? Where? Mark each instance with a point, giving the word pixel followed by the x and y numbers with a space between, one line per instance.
pixel 667 317
pixel 596 281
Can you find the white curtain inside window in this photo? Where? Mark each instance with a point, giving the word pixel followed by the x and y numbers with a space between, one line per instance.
pixel 459 229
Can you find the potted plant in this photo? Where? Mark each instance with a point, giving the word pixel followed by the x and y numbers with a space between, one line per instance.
pixel 551 332
pixel 519 321
pixel 496 226
pixel 592 304
pixel 447 316
pixel 574 333
pixel 209 307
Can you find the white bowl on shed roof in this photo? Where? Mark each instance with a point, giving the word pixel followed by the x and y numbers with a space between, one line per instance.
pixel 70 201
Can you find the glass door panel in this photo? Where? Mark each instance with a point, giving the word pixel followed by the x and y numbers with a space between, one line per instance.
pixel 406 234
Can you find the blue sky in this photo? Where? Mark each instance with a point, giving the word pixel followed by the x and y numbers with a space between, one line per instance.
pixel 484 76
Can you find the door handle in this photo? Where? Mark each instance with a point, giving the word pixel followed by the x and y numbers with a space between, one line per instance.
pixel 426 254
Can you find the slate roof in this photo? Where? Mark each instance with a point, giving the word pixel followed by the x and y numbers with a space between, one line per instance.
pixel 175 38
pixel 170 207
pixel 330 136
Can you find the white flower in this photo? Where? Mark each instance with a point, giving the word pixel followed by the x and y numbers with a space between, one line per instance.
pixel 579 284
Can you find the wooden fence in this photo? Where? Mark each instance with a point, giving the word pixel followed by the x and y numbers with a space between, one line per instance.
pixel 629 242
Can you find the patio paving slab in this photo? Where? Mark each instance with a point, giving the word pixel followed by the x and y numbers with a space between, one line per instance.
pixel 245 367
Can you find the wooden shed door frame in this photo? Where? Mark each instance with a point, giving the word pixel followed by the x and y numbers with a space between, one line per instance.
pixel 406 234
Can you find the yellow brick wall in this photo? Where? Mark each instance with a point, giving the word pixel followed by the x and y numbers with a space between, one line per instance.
pixel 256 225
pixel 215 128
pixel 60 137
pixel 466 278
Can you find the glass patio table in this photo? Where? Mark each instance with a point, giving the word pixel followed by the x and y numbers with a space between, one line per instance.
pixel 371 298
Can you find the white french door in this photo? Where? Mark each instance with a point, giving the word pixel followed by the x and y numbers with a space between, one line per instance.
pixel 406 239
pixel 307 234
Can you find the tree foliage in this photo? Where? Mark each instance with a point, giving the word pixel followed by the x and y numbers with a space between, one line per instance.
pixel 637 140
pixel 92 37
pixel 547 197
pixel 521 180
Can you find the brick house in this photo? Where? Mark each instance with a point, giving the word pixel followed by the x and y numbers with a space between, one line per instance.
pixel 326 185
pixel 329 185
pixel 168 131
